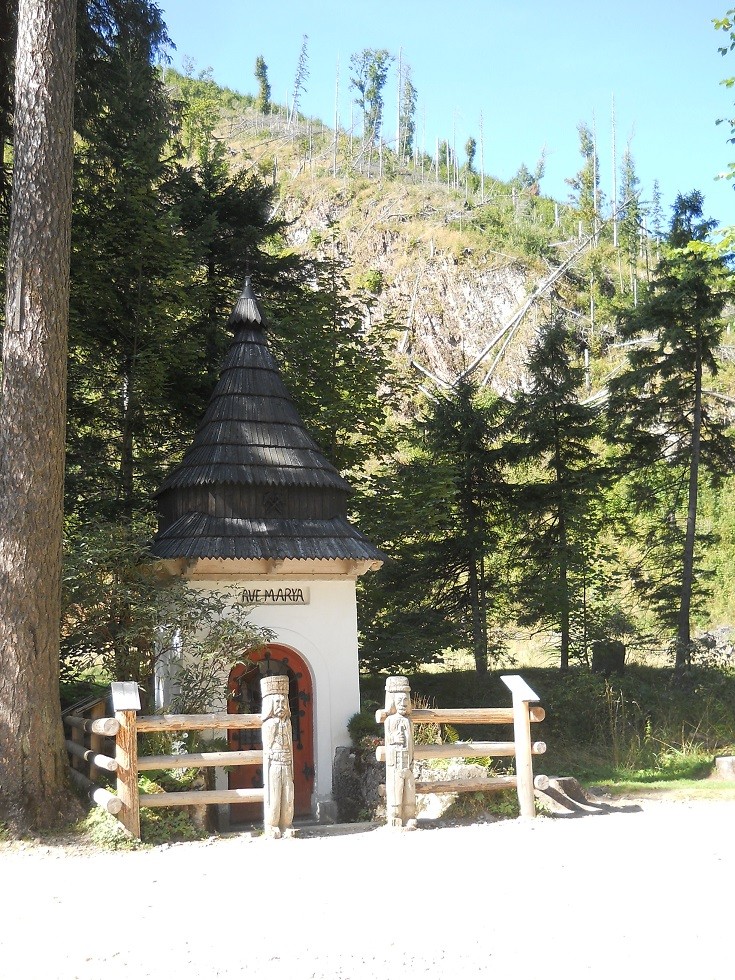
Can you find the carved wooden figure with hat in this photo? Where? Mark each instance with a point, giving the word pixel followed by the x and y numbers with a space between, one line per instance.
pixel 400 784
pixel 277 757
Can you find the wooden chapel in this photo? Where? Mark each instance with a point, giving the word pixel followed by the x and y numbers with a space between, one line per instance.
pixel 256 505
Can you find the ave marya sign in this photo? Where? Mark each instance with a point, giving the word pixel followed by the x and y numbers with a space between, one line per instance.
pixel 283 596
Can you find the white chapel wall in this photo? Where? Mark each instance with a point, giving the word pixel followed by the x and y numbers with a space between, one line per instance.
pixel 323 631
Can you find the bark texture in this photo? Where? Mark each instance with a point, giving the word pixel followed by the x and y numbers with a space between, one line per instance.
pixel 33 780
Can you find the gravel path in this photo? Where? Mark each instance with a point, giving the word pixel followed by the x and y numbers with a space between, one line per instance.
pixel 624 894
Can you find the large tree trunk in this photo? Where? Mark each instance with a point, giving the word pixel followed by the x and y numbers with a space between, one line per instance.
pixel 683 632
pixel 33 768
pixel 7 49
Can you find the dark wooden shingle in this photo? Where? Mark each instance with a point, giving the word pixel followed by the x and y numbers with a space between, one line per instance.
pixel 259 484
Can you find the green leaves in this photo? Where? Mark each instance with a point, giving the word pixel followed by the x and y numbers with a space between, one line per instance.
pixel 122 617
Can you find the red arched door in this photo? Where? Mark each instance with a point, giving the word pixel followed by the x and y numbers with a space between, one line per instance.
pixel 244 690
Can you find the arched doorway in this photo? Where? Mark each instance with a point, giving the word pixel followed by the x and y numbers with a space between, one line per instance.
pixel 243 686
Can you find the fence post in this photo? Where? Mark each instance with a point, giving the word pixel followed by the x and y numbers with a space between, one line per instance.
pixel 76 735
pixel 125 702
pixel 522 694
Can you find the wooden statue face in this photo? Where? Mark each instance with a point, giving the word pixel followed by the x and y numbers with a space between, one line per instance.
pixel 401 703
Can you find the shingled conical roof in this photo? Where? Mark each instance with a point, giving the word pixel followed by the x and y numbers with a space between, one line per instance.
pixel 253 483
pixel 251 432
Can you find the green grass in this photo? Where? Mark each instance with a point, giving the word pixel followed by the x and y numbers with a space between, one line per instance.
pixel 675 789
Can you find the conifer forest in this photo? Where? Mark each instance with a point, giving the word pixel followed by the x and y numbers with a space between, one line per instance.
pixel 533 399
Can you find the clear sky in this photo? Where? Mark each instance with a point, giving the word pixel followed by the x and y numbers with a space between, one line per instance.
pixel 534 69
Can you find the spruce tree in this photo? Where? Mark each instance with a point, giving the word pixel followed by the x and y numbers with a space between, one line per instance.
pixel 549 439
pixel 407 116
pixel 126 331
pixel 437 508
pixel 659 407
pixel 586 182
pixel 33 763
pixel 263 98
pixel 369 70
pixel 631 215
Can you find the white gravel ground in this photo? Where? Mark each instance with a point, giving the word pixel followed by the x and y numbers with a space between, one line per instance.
pixel 627 895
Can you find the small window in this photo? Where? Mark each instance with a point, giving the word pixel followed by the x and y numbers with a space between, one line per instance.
pixel 274 503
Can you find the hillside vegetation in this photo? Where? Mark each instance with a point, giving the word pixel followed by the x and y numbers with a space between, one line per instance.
pixel 468 275
pixel 525 393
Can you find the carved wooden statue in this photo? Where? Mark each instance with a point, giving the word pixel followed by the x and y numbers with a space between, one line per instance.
pixel 400 784
pixel 277 757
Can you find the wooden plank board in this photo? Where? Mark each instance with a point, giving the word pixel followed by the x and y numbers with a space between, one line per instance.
pixel 196 760
pixel 489 784
pixel 464 750
pixel 182 723
pixel 465 716
pixel 519 688
pixel 201 796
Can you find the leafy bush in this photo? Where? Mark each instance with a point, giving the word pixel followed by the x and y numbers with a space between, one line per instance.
pixel 476 806
pixel 166 824
pixel 104 830
pixel 364 730
pixel 120 616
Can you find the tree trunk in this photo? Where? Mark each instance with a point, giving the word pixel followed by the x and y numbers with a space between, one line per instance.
pixel 563 594
pixel 683 632
pixel 33 766
pixel 563 558
pixel 7 50
pixel 479 620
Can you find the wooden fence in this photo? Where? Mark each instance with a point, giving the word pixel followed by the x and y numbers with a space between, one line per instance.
pixel 124 728
pixel 522 748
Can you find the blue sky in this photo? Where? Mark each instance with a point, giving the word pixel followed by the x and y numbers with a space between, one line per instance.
pixel 533 69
